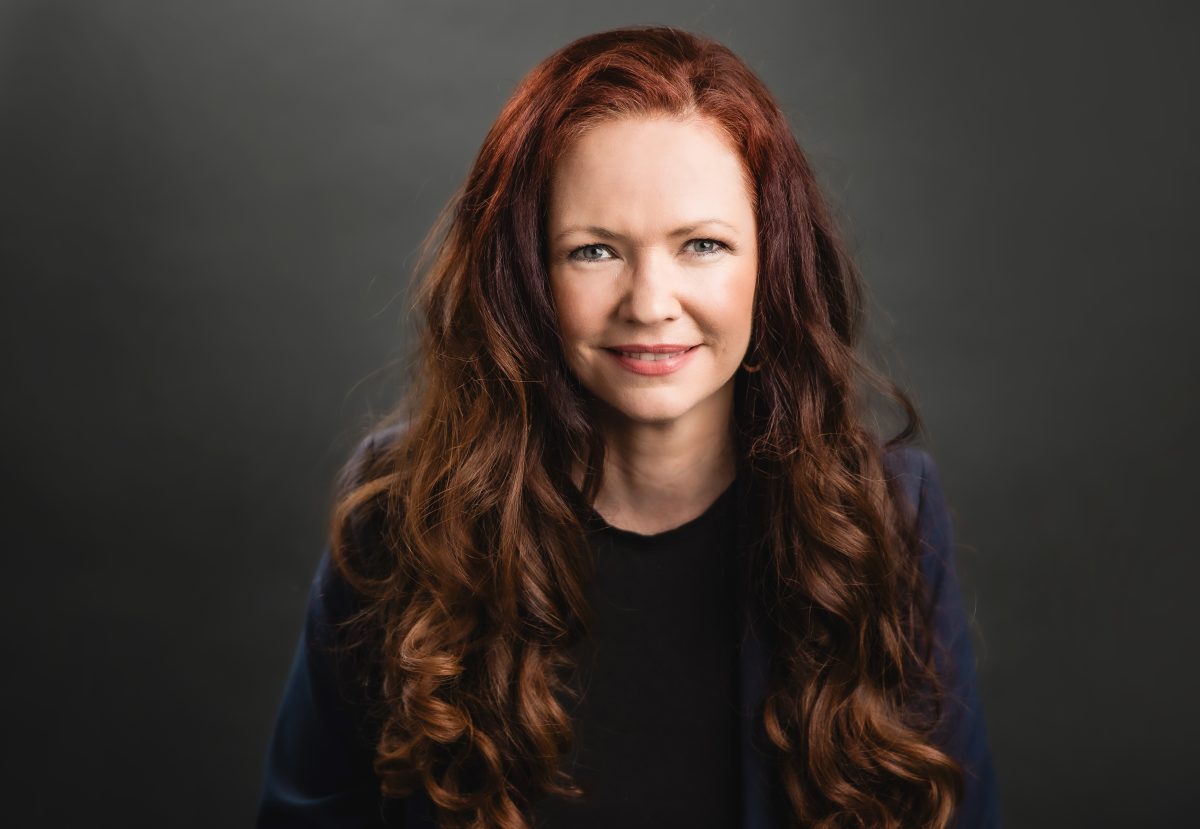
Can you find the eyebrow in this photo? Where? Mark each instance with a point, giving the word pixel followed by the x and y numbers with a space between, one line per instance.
pixel 605 233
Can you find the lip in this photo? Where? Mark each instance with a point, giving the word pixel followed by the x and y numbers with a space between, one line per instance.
pixel 659 348
pixel 656 367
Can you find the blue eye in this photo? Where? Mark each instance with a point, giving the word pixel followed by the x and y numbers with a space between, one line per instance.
pixel 575 253
pixel 716 247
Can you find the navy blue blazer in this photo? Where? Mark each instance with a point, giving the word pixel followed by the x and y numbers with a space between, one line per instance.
pixel 318 770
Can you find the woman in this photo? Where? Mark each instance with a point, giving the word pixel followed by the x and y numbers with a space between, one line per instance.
pixel 628 554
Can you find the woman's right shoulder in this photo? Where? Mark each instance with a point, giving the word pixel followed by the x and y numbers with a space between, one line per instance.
pixel 330 590
pixel 357 468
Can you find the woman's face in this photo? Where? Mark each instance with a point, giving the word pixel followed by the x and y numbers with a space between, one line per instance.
pixel 651 241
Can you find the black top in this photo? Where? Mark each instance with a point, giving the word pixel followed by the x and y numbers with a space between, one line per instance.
pixel 656 728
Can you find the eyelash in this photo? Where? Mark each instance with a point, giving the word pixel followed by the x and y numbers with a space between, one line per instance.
pixel 721 246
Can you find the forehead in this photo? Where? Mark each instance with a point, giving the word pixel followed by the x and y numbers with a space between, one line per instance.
pixel 645 170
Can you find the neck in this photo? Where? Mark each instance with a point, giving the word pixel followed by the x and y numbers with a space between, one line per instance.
pixel 659 476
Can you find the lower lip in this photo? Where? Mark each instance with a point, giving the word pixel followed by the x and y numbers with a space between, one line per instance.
pixel 654 368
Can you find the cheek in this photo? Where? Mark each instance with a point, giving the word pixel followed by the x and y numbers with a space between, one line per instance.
pixel 576 311
pixel 737 299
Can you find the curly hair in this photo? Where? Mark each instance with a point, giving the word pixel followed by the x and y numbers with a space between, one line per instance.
pixel 463 538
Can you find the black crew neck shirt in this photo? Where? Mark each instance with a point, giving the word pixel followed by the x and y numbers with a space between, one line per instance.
pixel 656 724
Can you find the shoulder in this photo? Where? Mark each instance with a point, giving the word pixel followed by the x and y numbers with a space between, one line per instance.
pixel 910 470
pixel 385 435
pixel 915 482
pixel 332 599
pixel 358 467
pixel 963 730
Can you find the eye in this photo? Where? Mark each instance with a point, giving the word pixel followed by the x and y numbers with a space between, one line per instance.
pixel 709 247
pixel 716 247
pixel 575 254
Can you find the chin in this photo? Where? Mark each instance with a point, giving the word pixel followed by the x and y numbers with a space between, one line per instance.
pixel 650 419
pixel 649 412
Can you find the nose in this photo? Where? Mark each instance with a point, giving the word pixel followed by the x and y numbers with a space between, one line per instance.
pixel 651 294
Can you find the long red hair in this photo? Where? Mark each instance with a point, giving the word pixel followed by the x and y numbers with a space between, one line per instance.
pixel 463 536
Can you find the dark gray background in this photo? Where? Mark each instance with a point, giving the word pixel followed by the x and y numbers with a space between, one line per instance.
pixel 210 212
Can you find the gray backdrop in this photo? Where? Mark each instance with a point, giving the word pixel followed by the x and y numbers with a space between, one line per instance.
pixel 210 212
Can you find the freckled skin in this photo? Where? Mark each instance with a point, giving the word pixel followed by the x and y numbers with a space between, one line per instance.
pixel 642 178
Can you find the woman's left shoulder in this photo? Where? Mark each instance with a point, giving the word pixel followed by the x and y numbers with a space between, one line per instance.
pixel 963 732
pixel 913 471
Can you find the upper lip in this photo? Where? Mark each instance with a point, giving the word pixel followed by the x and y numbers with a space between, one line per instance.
pixel 660 348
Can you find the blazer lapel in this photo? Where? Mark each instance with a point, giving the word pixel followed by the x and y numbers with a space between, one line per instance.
pixel 761 805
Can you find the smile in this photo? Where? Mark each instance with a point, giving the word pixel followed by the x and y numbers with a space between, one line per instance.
pixel 651 363
pixel 649 355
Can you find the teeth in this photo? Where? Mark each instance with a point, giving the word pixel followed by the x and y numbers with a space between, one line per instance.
pixel 647 355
